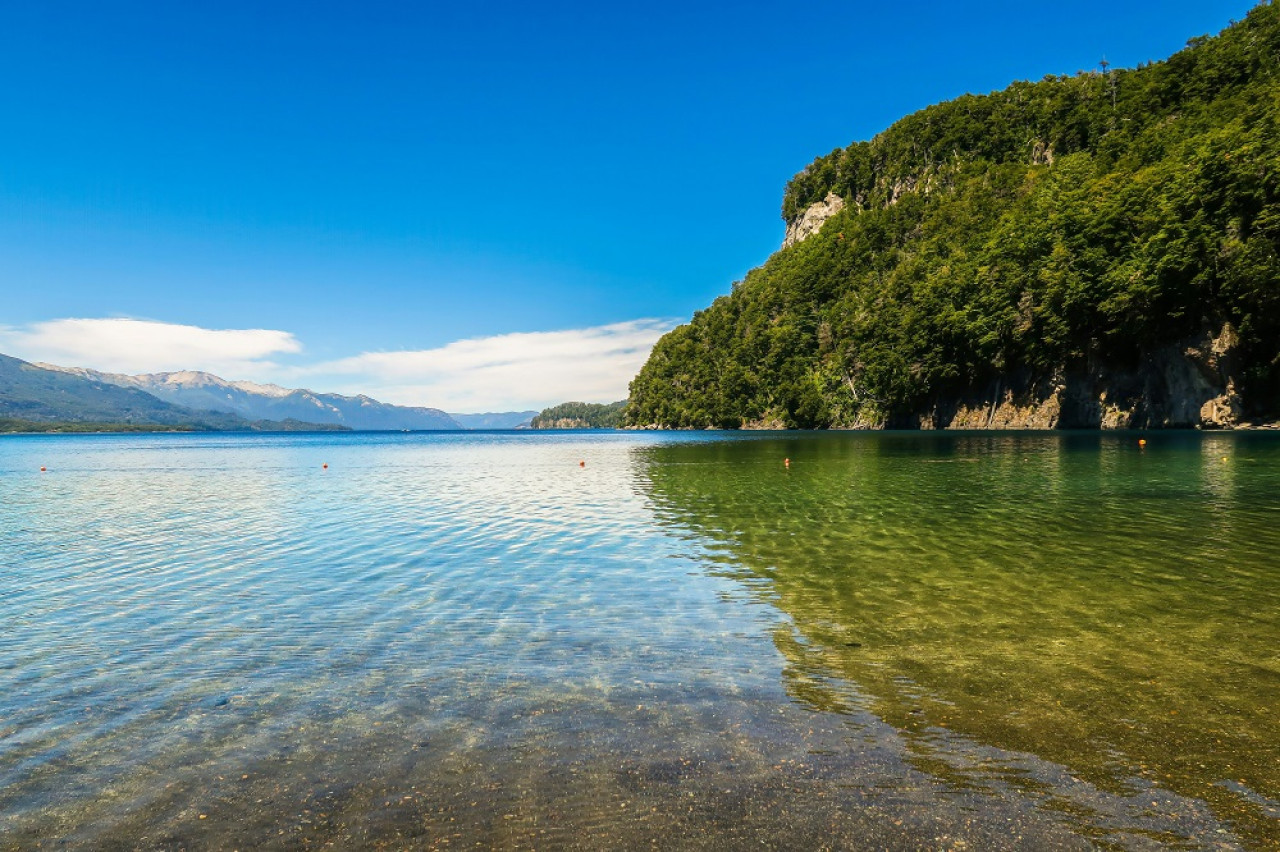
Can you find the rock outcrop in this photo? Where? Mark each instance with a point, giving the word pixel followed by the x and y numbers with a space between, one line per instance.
pixel 1187 385
pixel 811 220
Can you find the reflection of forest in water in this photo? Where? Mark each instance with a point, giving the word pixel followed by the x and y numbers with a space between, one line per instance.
pixel 1109 609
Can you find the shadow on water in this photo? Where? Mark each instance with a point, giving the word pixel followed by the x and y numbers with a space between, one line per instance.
pixel 1076 615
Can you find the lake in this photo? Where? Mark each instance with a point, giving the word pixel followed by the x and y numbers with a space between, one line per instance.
pixel 898 641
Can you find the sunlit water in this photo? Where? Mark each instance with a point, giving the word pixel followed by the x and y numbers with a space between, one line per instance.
pixel 902 641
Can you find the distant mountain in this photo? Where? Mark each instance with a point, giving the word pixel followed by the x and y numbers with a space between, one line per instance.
pixel 495 420
pixel 33 398
pixel 28 392
pixel 270 402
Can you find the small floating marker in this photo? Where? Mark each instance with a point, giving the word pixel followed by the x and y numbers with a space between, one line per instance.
pixel 42 470
pixel 582 464
pixel 1142 442
pixel 786 462
pixel 324 466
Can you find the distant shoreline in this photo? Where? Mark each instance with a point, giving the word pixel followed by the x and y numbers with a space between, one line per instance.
pixel 13 426
pixel 148 429
pixel 1259 426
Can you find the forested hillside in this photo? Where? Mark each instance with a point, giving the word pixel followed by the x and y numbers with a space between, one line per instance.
pixel 1100 249
pixel 581 415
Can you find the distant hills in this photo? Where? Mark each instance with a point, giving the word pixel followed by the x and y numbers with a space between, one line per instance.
pixel 38 397
pixel 35 398
pixel 495 420
pixel 193 389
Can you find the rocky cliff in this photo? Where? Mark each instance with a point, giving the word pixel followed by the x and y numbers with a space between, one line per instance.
pixel 1188 384
pixel 811 220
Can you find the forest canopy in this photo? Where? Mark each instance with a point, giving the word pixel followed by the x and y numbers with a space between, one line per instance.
pixel 1053 225
pixel 581 415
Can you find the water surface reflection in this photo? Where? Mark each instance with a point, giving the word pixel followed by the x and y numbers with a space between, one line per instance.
pixel 902 642
pixel 1092 623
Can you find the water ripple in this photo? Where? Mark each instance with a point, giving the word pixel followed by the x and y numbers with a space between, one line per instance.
pixel 899 642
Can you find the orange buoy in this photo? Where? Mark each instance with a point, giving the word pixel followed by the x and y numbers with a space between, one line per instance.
pixel 325 466
pixel 42 470
pixel 582 464
pixel 787 462
pixel 1142 442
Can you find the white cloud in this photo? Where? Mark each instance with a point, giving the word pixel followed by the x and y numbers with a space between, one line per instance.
pixel 507 372
pixel 145 346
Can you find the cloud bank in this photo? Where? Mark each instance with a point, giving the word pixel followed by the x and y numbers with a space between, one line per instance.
pixel 510 371
pixel 507 372
pixel 146 346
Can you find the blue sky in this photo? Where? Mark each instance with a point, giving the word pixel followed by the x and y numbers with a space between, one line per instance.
pixel 362 180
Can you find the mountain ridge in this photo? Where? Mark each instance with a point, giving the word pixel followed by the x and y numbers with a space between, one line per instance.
pixel 197 388
pixel 32 397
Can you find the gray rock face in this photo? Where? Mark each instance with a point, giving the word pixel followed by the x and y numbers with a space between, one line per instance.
pixel 811 220
pixel 1190 384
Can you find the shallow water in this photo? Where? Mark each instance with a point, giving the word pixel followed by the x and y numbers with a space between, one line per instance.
pixel 901 641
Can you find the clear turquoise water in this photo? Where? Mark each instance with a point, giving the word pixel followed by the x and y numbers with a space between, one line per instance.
pixel 901 641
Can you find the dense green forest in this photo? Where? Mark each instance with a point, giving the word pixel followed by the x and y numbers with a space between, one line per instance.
pixel 1051 227
pixel 581 415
